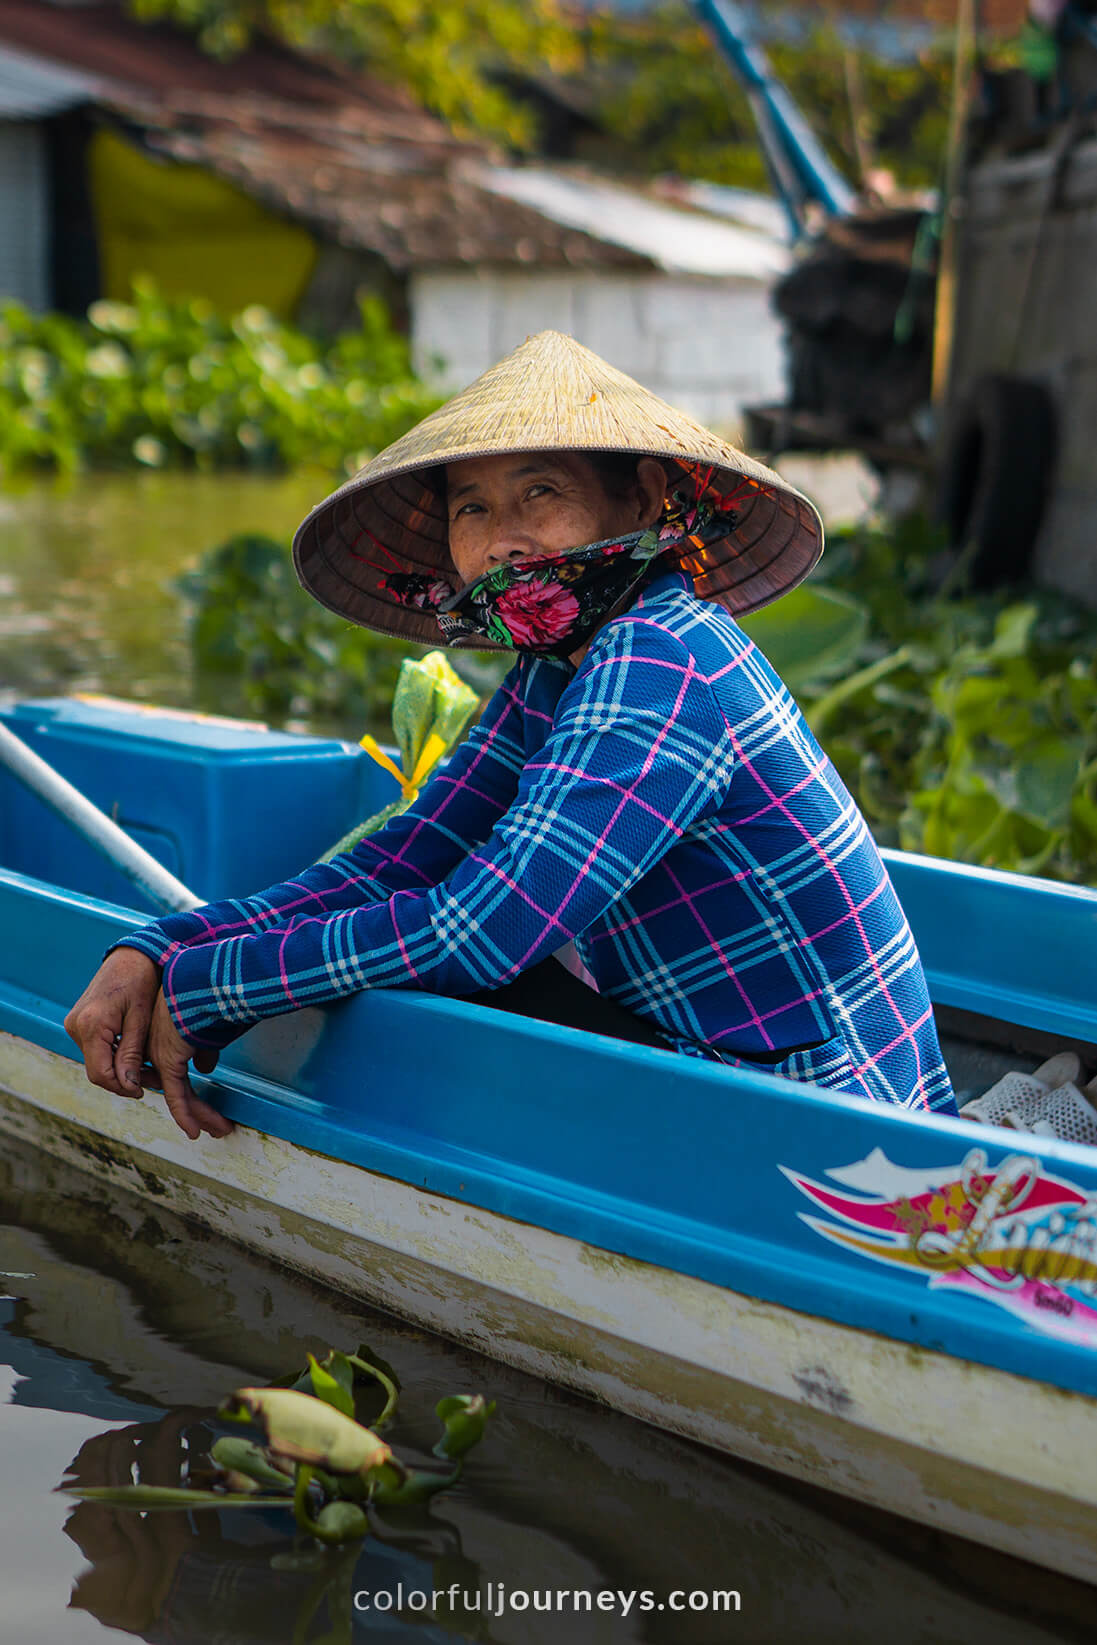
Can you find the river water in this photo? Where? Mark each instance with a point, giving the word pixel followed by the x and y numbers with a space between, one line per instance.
pixel 88 568
pixel 125 1329
pixel 122 1330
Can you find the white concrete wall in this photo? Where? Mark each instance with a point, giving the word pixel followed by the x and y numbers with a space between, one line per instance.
pixel 23 213
pixel 708 345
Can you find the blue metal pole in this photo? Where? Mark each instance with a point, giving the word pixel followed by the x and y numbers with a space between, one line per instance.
pixel 799 164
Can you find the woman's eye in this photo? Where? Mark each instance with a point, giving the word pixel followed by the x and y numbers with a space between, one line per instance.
pixel 538 489
pixel 467 508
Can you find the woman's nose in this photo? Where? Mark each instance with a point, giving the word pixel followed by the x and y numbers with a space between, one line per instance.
pixel 508 547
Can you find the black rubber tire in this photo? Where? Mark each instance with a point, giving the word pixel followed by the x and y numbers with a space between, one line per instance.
pixel 995 475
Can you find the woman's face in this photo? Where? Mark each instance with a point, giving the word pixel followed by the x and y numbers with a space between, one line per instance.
pixel 525 505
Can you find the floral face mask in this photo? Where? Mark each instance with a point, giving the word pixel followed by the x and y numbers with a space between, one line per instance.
pixel 552 605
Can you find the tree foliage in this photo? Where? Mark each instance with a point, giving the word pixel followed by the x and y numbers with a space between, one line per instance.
pixel 677 107
pixel 439 52
pixel 663 94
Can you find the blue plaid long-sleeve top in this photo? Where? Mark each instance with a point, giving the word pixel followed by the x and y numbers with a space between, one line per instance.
pixel 665 806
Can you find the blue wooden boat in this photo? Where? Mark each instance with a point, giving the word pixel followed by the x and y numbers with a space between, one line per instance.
pixel 898 1308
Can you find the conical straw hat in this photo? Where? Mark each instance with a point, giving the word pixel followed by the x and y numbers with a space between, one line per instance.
pixel 551 394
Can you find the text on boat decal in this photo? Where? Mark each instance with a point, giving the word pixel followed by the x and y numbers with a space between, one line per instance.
pixel 1014 1233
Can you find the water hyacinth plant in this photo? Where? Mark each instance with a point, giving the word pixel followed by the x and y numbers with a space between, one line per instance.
pixel 262 649
pixel 317 1461
pixel 964 723
pixel 155 383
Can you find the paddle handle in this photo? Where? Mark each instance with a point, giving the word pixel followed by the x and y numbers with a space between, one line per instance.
pixel 168 893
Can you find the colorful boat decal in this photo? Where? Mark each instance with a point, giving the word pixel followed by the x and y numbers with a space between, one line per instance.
pixel 1015 1234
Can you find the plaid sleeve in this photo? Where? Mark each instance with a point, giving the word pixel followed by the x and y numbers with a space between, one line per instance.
pixel 638 751
pixel 414 851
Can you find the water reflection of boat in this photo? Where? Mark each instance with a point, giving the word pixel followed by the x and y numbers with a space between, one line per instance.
pixel 562 1494
pixel 899 1309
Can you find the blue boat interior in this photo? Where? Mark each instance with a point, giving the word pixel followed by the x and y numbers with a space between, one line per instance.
pixel 636 1151
pixel 230 808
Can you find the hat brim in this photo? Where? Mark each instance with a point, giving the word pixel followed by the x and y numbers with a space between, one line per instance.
pixel 354 540
pixel 550 394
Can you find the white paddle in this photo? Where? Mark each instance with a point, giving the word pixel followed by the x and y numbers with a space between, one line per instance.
pixel 168 893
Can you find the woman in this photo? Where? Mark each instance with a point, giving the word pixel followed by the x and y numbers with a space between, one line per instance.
pixel 641 784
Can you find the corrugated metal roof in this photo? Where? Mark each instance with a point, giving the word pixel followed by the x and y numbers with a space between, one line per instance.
pixel 33 89
pixel 680 241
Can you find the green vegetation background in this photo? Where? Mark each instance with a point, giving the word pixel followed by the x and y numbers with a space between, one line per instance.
pixel 652 80
pixel 965 725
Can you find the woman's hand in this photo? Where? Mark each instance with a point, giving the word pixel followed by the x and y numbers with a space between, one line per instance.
pixel 110 1020
pixel 120 1021
pixel 169 1054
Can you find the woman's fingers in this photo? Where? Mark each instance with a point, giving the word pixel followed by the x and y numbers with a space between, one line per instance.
pixel 177 1097
pixel 211 1121
pixel 129 1052
pixel 190 1113
pixel 96 1040
pixel 111 1018
pixel 130 1043
pixel 170 1054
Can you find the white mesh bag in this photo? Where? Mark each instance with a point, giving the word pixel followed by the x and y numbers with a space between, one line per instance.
pixel 1047 1102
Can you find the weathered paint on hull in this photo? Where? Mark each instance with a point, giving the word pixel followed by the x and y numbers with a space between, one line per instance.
pixel 927 1435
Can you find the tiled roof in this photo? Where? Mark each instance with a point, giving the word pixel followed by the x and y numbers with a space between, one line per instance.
pixel 355 158
pixel 387 198
pixel 104 41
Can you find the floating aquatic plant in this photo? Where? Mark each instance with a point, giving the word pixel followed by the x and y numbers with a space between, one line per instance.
pixel 162 382
pixel 318 1460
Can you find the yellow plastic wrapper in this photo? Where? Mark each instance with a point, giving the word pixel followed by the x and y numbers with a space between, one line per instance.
pixel 430 709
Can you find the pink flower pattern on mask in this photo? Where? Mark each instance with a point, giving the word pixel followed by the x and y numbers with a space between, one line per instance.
pixel 537 613
pixel 551 605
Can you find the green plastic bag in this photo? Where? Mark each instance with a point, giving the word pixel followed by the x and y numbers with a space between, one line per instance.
pixel 430 709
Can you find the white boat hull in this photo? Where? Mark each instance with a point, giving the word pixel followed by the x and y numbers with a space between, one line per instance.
pixel 975 1451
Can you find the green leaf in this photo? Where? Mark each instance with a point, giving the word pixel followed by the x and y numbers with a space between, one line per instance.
pixel 333 1382
pixel 464 1417
pixel 1045 781
pixel 304 1429
pixel 340 1522
pixel 1083 812
pixel 242 1456
pixel 396 1489
pixel 865 678
pixel 810 634
pixel 379 1370
pixel 371 1363
pixel 1013 631
pixel 169 1496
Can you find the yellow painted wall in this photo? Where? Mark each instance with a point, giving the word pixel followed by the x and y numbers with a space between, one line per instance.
pixel 194 233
